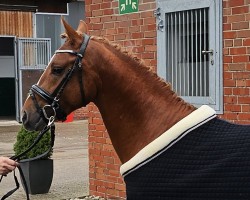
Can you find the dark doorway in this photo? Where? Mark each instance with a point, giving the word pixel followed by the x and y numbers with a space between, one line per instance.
pixel 7 78
pixel 7 94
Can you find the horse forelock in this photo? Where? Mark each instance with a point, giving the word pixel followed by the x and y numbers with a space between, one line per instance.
pixel 65 35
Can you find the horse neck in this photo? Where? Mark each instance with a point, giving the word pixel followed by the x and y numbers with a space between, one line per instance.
pixel 136 106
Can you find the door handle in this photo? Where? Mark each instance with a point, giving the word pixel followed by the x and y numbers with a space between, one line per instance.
pixel 211 51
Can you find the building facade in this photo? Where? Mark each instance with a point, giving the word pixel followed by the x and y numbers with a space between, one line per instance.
pixel 29 34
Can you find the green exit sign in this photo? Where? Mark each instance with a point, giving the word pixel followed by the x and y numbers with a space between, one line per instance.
pixel 128 6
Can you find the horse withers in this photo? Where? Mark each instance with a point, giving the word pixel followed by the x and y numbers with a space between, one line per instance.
pixel 168 148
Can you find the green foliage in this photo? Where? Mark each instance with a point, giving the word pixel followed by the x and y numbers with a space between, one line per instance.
pixel 26 138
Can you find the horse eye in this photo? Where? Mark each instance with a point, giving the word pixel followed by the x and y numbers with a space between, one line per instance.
pixel 57 70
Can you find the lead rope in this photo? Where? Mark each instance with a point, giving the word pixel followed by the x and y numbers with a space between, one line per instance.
pixel 17 157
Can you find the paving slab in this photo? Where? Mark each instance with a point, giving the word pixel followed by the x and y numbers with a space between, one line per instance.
pixel 70 155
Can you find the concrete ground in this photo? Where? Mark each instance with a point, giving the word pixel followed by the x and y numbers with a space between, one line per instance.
pixel 70 157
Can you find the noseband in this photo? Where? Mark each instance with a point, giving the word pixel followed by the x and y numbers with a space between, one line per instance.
pixel 53 110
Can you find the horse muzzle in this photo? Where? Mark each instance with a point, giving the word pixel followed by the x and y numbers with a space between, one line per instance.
pixel 33 121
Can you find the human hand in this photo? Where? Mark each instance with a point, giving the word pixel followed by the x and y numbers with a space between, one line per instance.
pixel 7 165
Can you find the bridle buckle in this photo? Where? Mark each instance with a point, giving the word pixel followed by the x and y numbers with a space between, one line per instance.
pixel 49 112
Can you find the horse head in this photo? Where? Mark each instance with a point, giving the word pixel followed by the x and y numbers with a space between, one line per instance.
pixel 135 104
pixel 62 87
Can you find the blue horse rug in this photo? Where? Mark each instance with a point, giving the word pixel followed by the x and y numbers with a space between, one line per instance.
pixel 200 157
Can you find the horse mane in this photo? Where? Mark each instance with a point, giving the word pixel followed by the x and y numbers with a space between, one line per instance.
pixel 148 71
pixel 132 57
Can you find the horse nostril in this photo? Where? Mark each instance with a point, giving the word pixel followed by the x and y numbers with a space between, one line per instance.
pixel 24 118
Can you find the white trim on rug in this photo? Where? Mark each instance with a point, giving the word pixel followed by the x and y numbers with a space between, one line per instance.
pixel 168 138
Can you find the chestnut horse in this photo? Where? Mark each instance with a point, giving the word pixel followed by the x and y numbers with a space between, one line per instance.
pixel 144 118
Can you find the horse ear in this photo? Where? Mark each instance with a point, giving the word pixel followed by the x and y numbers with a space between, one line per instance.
pixel 82 27
pixel 70 32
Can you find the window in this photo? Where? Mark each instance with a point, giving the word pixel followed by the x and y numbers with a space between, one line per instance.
pixel 48 25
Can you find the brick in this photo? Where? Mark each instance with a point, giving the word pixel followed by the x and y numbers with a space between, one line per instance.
pixel 146 14
pixel 228 43
pixel 248 50
pixel 226 51
pixel 106 5
pixel 243 33
pixel 241 91
pixel 228 91
pixel 230 99
pixel 148 1
pixel 246 42
pixel 137 35
pixel 227 11
pixel 150 34
pixel 122 30
pixel 152 48
pixel 148 55
pixel 150 27
pixel 241 75
pixel 244 116
pixel 240 10
pixel 120 187
pixel 231 116
pixel 97 13
pixel 233 108
pixel 108 18
pixel 111 31
pixel 134 29
pixel 95 6
pixel 96 1
pixel 97 121
pixel 229 83
pixel 108 12
pixel 146 7
pixel 108 25
pixel 97 26
pixel 237 51
pixel 227 59
pixel 236 66
pixel 247 16
pixel 100 127
pixel 244 100
pixel 246 108
pixel 150 20
pixel 248 67
pixel 229 35
pixel 233 3
pixel 137 22
pixel 240 83
pixel 227 27
pixel 240 59
pixel 237 42
pixel 235 18
pixel 148 41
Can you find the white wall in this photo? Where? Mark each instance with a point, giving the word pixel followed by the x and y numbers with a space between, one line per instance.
pixel 7 66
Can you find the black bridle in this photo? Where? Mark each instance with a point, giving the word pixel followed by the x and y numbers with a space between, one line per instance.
pixel 51 111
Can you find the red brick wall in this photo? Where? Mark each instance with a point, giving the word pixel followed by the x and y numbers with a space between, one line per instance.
pixel 81 113
pixel 236 33
pixel 136 32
